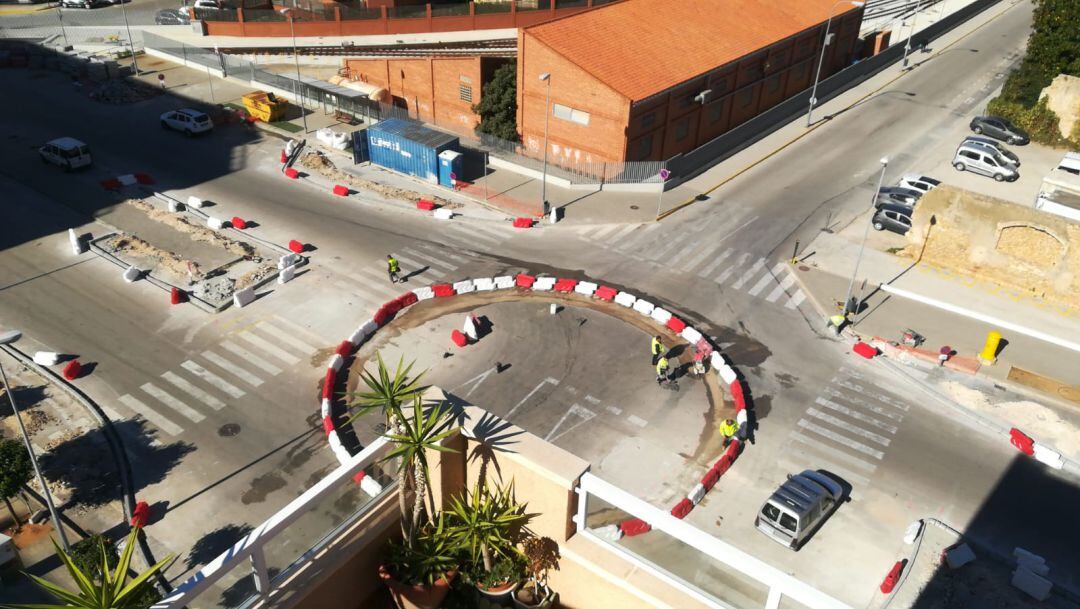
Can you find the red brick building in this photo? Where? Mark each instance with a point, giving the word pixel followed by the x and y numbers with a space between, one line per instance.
pixel 645 80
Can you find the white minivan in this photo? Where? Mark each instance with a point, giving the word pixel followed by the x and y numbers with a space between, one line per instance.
pixel 984 162
pixel 66 152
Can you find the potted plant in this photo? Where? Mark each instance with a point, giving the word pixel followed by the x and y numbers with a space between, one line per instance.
pixel 419 575
pixel 486 525
pixel 541 556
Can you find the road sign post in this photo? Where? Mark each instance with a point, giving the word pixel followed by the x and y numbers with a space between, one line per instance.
pixel 664 175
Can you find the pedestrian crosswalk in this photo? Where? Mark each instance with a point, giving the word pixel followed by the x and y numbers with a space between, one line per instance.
pixel 847 430
pixel 216 378
pixel 698 252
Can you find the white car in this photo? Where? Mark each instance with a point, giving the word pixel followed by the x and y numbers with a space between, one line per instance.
pixel 917 182
pixel 187 121
pixel 66 152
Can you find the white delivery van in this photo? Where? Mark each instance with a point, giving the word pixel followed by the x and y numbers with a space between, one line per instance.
pixel 67 152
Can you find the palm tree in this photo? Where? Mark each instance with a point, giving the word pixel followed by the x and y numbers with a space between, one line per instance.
pixel 385 393
pixel 110 591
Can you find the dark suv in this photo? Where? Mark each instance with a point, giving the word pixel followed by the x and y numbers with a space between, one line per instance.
pixel 999 129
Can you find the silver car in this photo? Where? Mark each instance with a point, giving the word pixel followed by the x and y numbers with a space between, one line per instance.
pixel 798 508
pixel 897 195
pixel 992 146
pixel 921 183
pixel 982 161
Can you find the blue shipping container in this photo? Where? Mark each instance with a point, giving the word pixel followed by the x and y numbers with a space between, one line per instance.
pixel 408 147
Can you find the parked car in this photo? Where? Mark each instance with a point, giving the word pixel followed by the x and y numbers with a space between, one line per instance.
pixel 897 195
pixel 895 218
pixel 993 146
pixel 1070 163
pixel 187 121
pixel 172 16
pixel 999 128
pixel 799 507
pixel 980 161
pixel 81 3
pixel 66 152
pixel 918 182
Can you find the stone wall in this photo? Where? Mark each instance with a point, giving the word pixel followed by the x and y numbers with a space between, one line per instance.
pixel 1063 97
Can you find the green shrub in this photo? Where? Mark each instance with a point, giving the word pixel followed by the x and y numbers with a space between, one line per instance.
pixel 1038 120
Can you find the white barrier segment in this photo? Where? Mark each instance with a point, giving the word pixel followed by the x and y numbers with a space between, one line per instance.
pixel 342 455
pixel 286 274
pixel 244 297
pixel 505 282
pixel 958 556
pixel 484 284
pixel 464 287
pixel 358 337
pixel 696 494
pixel 335 362
pixel 77 246
pixel 913 531
pixel 370 486
pixel 691 335
pixel 424 293
pixel 644 307
pixel 718 360
pixel 287 260
pixel 131 274
pixel 1025 557
pixel 215 223
pixel 46 358
pixel 727 374
pixel 324 408
pixel 1049 457
pixel 660 315
pixel 195 202
pixel 544 284
pixel 740 417
pixel 443 214
pixel 470 327
pixel 625 299
pixel 174 206
pixel 1035 586
pixel 334 441
pixel 127 179
pixel 585 288
pixel 609 532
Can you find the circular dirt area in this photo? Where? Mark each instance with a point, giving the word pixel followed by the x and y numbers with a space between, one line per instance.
pixel 582 379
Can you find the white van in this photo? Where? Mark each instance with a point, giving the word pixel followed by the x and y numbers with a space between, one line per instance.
pixel 66 152
pixel 984 162
pixel 799 507
pixel 1070 163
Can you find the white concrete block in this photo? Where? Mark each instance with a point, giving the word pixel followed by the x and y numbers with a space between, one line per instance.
pixel 484 284
pixel 691 335
pixel 132 274
pixel 660 315
pixel 727 374
pixel 505 282
pixel 696 494
pixel 324 409
pixel 334 441
pixel 287 260
pixel 286 274
pixel 174 206
pixel 464 287
pixel 1023 555
pixel 470 327
pixel 195 202
pixel 335 362
pixel 625 299
pixel 77 246
pixel 127 180
pixel 544 284
pixel 46 358
pixel 644 307
pixel 363 332
pixel 913 531
pixel 740 417
pixel 244 297
pixel 215 223
pixel 370 486
pixel 959 556
pixel 610 532
pixel 443 214
pixel 342 455
pixel 424 293
pixel 1034 585
pixel 1049 457
pixel 585 288
pixel 1038 568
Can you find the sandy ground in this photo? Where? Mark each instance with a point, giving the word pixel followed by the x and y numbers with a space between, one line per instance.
pixel 317 161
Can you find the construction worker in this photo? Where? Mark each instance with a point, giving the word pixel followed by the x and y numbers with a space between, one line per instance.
pixel 657 349
pixel 392 268
pixel 728 429
pixel 661 369
pixel 836 322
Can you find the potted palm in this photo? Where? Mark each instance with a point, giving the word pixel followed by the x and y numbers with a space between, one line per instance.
pixel 541 556
pixel 419 575
pixel 486 525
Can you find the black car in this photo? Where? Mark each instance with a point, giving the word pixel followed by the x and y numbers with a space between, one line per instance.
pixel 895 218
pixel 172 16
pixel 999 129
pixel 897 195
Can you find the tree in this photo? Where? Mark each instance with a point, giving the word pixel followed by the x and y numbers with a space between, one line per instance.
pixel 498 104
pixel 15 472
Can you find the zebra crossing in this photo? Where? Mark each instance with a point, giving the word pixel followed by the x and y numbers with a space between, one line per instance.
pixel 214 379
pixel 847 430
pixel 699 253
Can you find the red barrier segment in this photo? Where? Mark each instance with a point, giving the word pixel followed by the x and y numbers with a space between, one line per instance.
pixel 284 157
pixel 408 299
pixel 238 222
pixel 442 290
pixel 72 370
pixel 381 317
pixel 523 222
pixel 344 349
pixel 524 281
pixel 341 191
pixel 292 173
pixel 459 338
pixel 676 325
pixel 140 515
pixel 296 247
pixel 892 577
pixel 710 479
pixel 392 307
pixel 634 526
pixel 737 395
pixel 565 285
pixel 143 178
pixel 732 451
pixel 1022 441
pixel 328 424
pixel 112 184
pixel 328 385
pixel 605 293
pixel 682 508
pixel 177 296
pixel 720 467
pixel 425 205
pixel 359 476
pixel 864 349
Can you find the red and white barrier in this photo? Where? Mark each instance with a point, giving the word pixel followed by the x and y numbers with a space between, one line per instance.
pixel 288 260
pixel 296 247
pixel 625 299
pixel 424 293
pixel 544 284
pixel 77 245
pixel 132 274
pixel 504 282
pixel 72 370
pixel 690 335
pixel 585 288
pixel 238 223
pixel 644 307
pixel 661 316
pixel 484 284
pixel 195 202
pixel 215 223
pixel 46 358
pixel 464 287
pixel 244 297
pixel 443 214
pixel 341 191
pixel 286 274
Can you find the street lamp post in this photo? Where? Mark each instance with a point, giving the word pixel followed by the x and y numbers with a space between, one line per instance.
pixel 866 234
pixel 131 43
pixel 911 32
pixel 6 339
pixel 821 60
pixel 296 61
pixel 546 77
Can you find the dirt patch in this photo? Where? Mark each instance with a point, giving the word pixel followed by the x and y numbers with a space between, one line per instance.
pixel 123 91
pixel 132 248
pixel 316 161
pixel 1031 245
pixel 194 231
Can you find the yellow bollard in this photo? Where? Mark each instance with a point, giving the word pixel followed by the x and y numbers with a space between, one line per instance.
pixel 990 349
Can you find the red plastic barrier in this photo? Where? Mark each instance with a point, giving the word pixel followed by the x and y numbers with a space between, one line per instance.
pixel 866 350
pixel 676 325
pixel 359 476
pixel 710 479
pixel 737 395
pixel 525 281
pixel 408 299
pixel 296 247
pixel 292 173
pixel 1022 441
pixel 341 191
pixel 344 349
pixel 425 205
pixel 328 385
pixel 381 317
pixel 523 222
pixel 442 290
pixel 328 424
pixel 634 526
pixel 284 157
pixel 177 296
pixel 112 184
pixel 392 307
pixel 721 466
pixel 459 338
pixel 682 508
pixel 605 293
pixel 732 451
pixel 140 515
pixel 892 577
pixel 238 222
pixel 72 370
pixel 565 285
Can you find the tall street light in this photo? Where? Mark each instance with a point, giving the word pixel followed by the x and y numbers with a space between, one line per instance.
pixel 296 61
pixel 546 77
pixel 821 60
pixel 866 234
pixel 131 43
pixel 7 338
pixel 911 31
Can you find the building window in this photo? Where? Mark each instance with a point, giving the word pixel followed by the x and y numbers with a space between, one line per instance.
pixel 772 85
pixel 805 46
pixel 570 114
pixel 721 85
pixel 682 129
pixel 465 93
pixel 745 98
pixel 686 101
pixel 716 112
pixel 648 120
pixel 645 147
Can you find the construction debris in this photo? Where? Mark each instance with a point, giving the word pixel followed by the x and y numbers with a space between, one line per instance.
pixel 316 161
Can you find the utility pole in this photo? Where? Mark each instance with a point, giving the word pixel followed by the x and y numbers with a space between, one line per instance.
pixel 546 77
pixel 821 60
pixel 866 234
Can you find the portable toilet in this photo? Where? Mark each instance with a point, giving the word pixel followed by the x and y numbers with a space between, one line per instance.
pixel 449 168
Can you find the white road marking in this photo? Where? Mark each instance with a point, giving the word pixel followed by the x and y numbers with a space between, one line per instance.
pixel 884 399
pixel 250 357
pixel 797 460
pixel 428 269
pixel 715 263
pixel 796 300
pixel 752 272
pixel 160 395
pixel 296 328
pixel 151 415
pixel 615 410
pixel 848 427
pixel 835 454
pixel 599 235
pixel 731 269
pixel 436 251
pixel 112 414
pixel 835 437
pixel 285 337
pixel 636 420
pixel 856 415
pixel 476 381
pixel 689 249
pixel 213 379
pixel 626 230
pixel 375 281
pixel 590 399
pixel 237 371
pixel 696 260
pixel 789 279
pixel 575 409
pixel 766 280
pixel 431 258
pixel 183 385
pixel 546 381
pixel 864 405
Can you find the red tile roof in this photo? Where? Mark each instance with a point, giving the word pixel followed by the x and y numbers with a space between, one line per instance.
pixel 642 47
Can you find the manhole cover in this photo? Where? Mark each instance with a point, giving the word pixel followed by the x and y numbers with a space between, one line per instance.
pixel 634 207
pixel 803 267
pixel 228 430
pixel 380 428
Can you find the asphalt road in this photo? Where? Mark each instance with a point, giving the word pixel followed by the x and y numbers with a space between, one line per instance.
pixel 711 263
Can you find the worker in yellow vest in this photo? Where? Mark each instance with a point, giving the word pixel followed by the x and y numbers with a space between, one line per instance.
pixel 661 369
pixel 657 349
pixel 728 429
pixel 392 268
